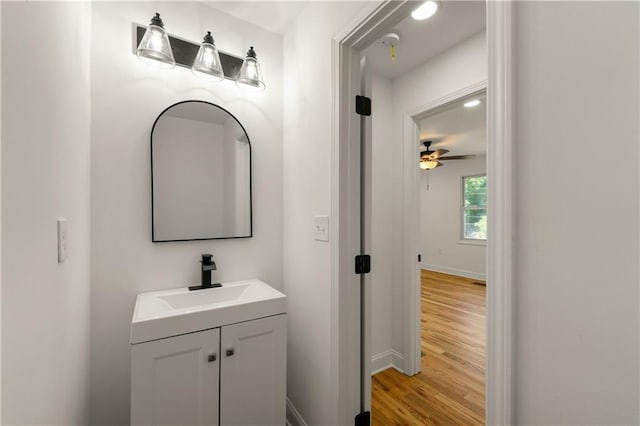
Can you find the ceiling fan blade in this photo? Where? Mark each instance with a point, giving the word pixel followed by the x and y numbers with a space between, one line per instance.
pixel 457 157
pixel 438 152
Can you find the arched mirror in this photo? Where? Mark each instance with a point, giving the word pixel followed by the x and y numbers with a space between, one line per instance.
pixel 200 174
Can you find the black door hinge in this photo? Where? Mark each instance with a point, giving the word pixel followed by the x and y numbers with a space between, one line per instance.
pixel 363 264
pixel 363 419
pixel 363 105
pixel 419 258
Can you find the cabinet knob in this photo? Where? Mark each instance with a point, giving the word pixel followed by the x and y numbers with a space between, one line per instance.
pixel 230 351
pixel 212 357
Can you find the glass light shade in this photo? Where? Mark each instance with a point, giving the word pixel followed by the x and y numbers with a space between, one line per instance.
pixel 207 64
pixel 429 164
pixel 154 48
pixel 250 76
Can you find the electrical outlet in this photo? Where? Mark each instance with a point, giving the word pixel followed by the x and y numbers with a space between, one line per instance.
pixel 62 240
pixel 321 228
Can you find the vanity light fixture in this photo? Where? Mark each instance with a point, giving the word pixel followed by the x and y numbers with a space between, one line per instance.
pixel 250 76
pixel 154 48
pixel 207 64
pixel 472 103
pixel 157 47
pixel 425 11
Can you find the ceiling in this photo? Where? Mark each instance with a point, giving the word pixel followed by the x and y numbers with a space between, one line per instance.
pixel 454 22
pixel 457 128
pixel 274 16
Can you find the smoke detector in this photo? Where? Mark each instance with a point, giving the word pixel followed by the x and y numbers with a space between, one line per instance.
pixel 391 40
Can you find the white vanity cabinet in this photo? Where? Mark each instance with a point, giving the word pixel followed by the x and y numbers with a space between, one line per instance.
pixel 174 381
pixel 209 357
pixel 253 372
pixel 232 375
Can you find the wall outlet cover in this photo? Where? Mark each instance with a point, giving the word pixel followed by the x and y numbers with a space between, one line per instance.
pixel 321 228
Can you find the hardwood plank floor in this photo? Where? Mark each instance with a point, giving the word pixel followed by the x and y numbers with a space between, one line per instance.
pixel 450 388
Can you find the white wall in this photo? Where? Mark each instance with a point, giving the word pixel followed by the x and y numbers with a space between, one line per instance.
pixel 127 96
pixel 307 192
pixel 576 306
pixel 382 282
pixel 441 221
pixel 45 176
pixel 460 66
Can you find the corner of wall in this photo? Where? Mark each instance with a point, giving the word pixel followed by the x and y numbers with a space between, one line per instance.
pixel 385 360
pixel 294 418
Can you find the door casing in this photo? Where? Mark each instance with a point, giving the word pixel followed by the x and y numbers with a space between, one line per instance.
pixel 345 232
pixel 411 176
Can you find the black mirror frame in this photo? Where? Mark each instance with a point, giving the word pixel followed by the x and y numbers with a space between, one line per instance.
pixel 153 238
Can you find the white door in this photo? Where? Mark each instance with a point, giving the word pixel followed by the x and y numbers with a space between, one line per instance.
pixel 253 372
pixel 174 381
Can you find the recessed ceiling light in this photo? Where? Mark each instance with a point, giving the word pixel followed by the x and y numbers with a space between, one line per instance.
pixel 472 103
pixel 425 10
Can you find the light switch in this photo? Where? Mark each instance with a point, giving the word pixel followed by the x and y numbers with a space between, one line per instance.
pixel 62 240
pixel 321 228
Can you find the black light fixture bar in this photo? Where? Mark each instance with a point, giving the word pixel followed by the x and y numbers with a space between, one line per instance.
pixel 184 52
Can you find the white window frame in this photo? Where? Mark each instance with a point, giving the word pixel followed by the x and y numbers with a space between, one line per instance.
pixel 463 239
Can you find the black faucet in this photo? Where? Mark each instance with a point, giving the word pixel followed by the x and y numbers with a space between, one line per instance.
pixel 208 265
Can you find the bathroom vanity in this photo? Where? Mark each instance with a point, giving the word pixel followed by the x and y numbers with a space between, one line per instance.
pixel 209 357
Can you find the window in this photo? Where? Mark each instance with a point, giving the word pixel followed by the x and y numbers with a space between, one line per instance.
pixel 474 207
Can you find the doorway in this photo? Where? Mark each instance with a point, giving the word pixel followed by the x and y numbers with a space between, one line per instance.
pixel 448 386
pixel 348 45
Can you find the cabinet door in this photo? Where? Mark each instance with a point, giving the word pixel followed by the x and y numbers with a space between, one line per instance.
pixel 174 381
pixel 253 372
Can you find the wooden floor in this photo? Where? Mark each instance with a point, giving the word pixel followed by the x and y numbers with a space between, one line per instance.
pixel 450 388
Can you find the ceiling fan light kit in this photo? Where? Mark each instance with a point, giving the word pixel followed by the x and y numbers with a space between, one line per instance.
pixel 429 164
pixel 431 159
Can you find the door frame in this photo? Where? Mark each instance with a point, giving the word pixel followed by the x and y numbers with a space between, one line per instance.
pixel 345 203
pixel 411 176
pixel 345 315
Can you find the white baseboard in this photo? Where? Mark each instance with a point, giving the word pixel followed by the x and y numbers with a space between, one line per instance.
pixel 293 416
pixel 454 271
pixel 386 359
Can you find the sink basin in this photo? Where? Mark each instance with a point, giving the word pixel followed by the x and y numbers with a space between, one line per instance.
pixel 166 313
pixel 205 297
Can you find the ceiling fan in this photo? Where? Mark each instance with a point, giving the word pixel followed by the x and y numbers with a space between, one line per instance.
pixel 431 159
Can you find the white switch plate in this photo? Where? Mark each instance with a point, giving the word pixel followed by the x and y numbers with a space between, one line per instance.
pixel 62 240
pixel 321 228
